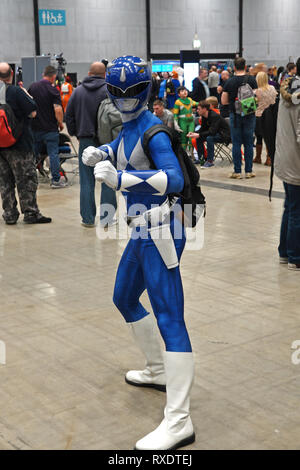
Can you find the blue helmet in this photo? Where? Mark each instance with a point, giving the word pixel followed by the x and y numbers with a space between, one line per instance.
pixel 128 81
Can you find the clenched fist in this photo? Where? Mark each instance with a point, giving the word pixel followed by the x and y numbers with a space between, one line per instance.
pixel 106 172
pixel 91 156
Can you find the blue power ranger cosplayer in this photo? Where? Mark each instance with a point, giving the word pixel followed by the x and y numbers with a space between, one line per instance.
pixel 151 258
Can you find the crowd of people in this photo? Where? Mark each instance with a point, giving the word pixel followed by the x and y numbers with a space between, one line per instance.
pixel 211 112
pixel 223 85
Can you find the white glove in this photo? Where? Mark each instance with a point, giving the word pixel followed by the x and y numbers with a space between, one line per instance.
pixel 92 155
pixel 106 172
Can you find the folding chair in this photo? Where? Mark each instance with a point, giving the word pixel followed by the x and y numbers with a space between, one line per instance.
pixel 67 152
pixel 223 151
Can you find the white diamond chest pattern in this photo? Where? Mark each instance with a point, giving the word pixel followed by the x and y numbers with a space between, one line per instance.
pixel 136 161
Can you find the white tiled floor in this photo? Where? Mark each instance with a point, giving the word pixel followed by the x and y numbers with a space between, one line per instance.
pixel 68 347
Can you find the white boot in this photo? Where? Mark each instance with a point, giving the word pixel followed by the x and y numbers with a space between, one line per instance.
pixel 176 429
pixel 145 333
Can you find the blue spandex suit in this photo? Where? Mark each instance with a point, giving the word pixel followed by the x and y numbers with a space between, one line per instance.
pixel 141 266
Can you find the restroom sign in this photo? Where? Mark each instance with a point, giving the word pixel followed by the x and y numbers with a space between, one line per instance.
pixel 52 17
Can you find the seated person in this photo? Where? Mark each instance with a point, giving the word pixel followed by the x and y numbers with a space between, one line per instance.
pixel 163 114
pixel 213 129
pixel 213 101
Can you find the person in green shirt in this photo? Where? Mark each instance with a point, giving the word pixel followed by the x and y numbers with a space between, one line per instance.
pixel 183 114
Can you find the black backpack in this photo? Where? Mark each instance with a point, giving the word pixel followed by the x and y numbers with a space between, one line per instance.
pixel 170 88
pixel 191 195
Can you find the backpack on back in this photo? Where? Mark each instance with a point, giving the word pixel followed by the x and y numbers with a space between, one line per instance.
pixel 170 88
pixel 10 128
pixel 109 122
pixel 192 199
pixel 245 103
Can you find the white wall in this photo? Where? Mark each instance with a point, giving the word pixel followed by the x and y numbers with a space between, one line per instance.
pixel 109 28
pixel 17 30
pixel 96 29
pixel 271 30
pixel 173 25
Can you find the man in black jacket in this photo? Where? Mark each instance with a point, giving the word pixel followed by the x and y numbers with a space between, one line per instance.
pixel 17 163
pixel 213 129
pixel 200 88
pixel 81 121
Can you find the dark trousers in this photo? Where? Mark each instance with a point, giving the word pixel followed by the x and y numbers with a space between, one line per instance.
pixel 51 141
pixel 289 246
pixel 87 190
pixel 211 140
pixel 242 133
pixel 259 131
pixel 17 170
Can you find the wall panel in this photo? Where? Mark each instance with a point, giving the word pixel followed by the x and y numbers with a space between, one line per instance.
pixel 173 25
pixel 17 30
pixel 109 28
pixel 271 30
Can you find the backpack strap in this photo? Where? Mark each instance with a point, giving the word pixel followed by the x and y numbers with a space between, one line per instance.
pixel 151 132
pixel 183 159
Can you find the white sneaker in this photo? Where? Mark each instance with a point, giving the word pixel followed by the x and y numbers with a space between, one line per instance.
pixel 59 184
pixel 88 225
pixel 294 267
pixel 235 176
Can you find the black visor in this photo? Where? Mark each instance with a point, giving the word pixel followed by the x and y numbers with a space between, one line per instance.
pixel 131 92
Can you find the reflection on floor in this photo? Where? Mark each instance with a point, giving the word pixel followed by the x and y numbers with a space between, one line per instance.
pixel 68 348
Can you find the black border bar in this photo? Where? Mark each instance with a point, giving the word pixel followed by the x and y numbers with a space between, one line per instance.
pixel 36 27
